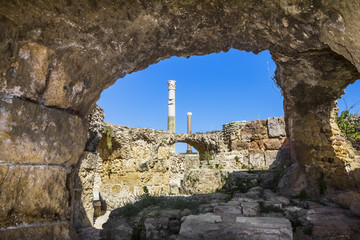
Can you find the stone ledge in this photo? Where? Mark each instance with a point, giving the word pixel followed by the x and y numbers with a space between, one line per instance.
pixel 40 231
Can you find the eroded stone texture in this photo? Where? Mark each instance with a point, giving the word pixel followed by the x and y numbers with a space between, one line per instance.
pixel 311 85
pixel 30 133
pixel 134 158
pixel 38 147
pixel 139 34
pixel 84 189
pixel 55 230
pixel 202 181
pixel 33 194
pixel 63 54
pixel 96 128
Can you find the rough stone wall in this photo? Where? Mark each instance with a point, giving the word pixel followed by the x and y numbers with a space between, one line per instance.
pixel 39 148
pixel 86 172
pixel 258 142
pixel 138 158
pixel 57 57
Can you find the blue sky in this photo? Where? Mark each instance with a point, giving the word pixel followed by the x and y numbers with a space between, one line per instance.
pixel 217 88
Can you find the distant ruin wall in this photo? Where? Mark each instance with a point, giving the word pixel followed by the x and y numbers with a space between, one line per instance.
pixel 139 158
pixel 130 159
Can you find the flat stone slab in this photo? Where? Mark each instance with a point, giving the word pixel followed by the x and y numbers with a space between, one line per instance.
pixel 264 222
pixel 249 228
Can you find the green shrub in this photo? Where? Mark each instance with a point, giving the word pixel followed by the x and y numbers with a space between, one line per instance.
pixel 207 156
pixel 347 126
pixel 241 188
pixel 108 132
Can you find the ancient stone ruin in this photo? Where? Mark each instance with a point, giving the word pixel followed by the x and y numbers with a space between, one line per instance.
pixel 130 159
pixel 57 57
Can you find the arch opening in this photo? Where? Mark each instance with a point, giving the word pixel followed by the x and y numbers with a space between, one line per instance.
pixel 217 88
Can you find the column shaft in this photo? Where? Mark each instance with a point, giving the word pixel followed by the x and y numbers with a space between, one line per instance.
pixel 189 114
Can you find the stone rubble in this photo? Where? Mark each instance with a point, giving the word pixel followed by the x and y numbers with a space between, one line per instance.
pixel 265 216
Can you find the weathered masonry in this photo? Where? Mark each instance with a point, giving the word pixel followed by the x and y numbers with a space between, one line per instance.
pixel 128 159
pixel 57 58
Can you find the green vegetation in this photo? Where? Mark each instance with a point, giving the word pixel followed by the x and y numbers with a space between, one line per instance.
pixel 156 203
pixel 207 156
pixel 269 208
pixel 348 126
pixel 241 188
pixel 230 188
pixel 244 166
pixel 108 132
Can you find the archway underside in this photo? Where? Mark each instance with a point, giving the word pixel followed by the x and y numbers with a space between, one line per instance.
pixel 58 57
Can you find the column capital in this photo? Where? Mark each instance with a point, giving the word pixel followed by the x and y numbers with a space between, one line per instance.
pixel 171 84
pixel 189 114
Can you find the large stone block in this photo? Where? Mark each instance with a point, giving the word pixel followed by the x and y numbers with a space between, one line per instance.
pixel 256 158
pixel 254 130
pixel 46 231
pixel 276 127
pixel 27 75
pixel 33 194
pixel 202 181
pixel 238 145
pixel 210 226
pixel 270 158
pixel 272 144
pixel 35 134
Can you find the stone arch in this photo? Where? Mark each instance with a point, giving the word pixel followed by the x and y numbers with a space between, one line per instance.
pixel 58 57
pixel 205 143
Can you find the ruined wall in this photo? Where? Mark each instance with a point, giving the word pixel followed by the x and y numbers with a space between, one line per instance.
pixel 36 169
pixel 134 158
pixel 137 158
